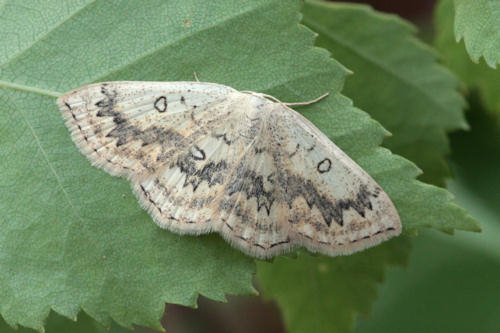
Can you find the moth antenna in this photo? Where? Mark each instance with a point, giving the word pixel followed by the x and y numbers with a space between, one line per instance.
pixel 317 99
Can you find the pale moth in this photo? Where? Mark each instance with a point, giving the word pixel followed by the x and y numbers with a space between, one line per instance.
pixel 204 157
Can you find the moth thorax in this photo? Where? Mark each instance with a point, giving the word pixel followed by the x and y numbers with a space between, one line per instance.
pixel 252 117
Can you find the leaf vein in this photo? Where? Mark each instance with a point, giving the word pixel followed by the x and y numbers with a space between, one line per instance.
pixel 45 157
pixel 376 63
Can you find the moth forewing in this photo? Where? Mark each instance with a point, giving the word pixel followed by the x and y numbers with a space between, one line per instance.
pixel 203 157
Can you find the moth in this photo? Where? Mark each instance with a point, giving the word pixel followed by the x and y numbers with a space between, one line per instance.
pixel 203 157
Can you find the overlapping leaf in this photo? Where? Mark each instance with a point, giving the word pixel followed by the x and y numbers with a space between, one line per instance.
pixel 73 237
pixel 480 77
pixel 478 23
pixel 396 80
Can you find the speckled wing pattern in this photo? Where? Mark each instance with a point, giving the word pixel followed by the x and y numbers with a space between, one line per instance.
pixel 203 157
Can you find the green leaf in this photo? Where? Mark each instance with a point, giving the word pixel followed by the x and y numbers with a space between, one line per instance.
pixel 72 237
pixel 321 294
pixel 396 80
pixel 478 77
pixel 478 23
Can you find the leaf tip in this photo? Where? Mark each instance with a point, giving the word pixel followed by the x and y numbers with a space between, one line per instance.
pixel 491 62
pixel 254 292
pixel 475 226
pixel 158 327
